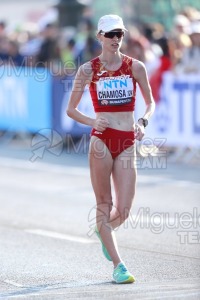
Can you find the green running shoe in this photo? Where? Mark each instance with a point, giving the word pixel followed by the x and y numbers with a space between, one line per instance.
pixel 122 275
pixel 105 251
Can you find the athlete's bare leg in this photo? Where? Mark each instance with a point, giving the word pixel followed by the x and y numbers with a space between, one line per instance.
pixel 101 165
pixel 124 178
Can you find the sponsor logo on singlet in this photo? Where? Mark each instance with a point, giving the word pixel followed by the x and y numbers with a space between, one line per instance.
pixel 98 132
pixel 101 73
pixel 116 90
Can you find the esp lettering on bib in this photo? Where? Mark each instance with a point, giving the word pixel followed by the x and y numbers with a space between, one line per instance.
pixel 116 90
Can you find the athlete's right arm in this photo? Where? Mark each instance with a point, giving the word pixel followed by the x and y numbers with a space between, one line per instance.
pixel 83 77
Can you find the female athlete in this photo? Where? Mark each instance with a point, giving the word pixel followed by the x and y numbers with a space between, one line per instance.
pixel 112 78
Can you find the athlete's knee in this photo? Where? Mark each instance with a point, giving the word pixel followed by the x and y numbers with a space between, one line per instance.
pixel 104 205
pixel 124 214
pixel 103 213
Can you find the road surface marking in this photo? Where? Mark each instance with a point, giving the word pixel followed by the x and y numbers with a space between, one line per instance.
pixel 60 236
pixel 13 283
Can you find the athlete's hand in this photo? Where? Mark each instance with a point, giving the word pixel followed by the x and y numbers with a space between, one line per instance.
pixel 139 132
pixel 101 124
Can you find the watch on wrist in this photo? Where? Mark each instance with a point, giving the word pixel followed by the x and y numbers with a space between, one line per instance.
pixel 144 122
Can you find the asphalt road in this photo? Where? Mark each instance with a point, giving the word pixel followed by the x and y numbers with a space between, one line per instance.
pixel 47 247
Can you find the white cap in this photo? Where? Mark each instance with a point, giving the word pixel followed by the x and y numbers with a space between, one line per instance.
pixel 181 20
pixel 110 22
pixel 193 28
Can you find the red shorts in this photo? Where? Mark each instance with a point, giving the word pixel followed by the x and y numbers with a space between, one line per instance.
pixel 116 140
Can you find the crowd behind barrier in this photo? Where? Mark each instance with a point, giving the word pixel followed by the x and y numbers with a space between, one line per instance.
pixel 37 68
pixel 62 50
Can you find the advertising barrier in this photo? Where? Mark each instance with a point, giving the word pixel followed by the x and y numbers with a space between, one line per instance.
pixel 62 123
pixel 176 120
pixel 32 100
pixel 177 115
pixel 25 99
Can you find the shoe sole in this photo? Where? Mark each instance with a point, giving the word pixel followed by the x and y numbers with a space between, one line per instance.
pixel 129 280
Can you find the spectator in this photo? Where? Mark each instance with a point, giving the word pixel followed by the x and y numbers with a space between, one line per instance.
pixel 92 45
pixel 135 48
pixel 181 23
pixel 30 43
pixel 152 50
pixel 3 42
pixel 68 57
pixel 191 55
pixel 191 13
pixel 179 39
pixel 67 53
pixel 86 45
pixel 11 54
pixel 49 53
pixel 2 34
pixel 164 65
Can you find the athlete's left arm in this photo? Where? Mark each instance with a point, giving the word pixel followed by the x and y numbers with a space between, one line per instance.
pixel 140 75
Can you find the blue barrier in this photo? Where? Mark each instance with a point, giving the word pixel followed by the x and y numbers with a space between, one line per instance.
pixel 61 122
pixel 25 99
pixel 177 116
pixel 32 100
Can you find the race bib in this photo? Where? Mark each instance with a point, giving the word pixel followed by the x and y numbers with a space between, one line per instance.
pixel 115 90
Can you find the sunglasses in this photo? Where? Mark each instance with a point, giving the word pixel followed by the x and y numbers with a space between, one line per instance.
pixel 111 34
